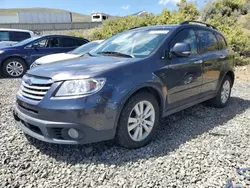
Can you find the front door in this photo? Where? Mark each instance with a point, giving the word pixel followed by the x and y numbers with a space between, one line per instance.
pixel 43 47
pixel 182 75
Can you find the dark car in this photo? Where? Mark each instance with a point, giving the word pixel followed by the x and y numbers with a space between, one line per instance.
pixel 16 59
pixel 122 88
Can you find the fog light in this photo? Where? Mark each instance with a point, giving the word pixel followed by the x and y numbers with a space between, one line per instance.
pixel 73 133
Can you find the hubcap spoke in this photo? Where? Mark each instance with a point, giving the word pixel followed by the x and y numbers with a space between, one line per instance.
pixel 135 136
pixel 132 127
pixel 150 123
pixel 137 111
pixel 146 128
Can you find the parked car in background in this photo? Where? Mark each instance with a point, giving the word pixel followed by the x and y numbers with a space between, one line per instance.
pixel 16 59
pixel 66 56
pixel 121 89
pixel 9 37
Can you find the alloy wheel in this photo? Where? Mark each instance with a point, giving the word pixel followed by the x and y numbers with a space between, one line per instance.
pixel 141 120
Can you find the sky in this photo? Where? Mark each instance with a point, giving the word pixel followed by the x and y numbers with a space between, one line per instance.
pixel 112 7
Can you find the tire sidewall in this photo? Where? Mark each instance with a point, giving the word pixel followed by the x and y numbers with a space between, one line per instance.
pixel 6 74
pixel 123 138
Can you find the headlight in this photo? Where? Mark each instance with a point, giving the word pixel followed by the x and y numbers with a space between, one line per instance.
pixel 80 87
pixel 1 51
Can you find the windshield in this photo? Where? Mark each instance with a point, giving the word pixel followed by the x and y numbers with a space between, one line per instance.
pixel 84 48
pixel 26 41
pixel 136 44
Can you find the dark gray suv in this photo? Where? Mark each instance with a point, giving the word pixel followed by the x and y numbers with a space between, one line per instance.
pixel 121 89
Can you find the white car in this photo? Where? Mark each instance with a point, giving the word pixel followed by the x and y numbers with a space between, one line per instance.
pixel 65 56
pixel 9 37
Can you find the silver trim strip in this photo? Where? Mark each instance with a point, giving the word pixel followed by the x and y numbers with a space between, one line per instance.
pixel 31 96
pixel 35 87
pixel 32 91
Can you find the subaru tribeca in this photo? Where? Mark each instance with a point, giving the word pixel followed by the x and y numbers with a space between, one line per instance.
pixel 121 89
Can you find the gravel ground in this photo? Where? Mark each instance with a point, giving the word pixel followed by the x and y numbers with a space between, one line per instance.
pixel 198 147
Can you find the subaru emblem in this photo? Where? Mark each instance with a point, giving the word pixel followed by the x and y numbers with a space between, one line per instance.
pixel 28 81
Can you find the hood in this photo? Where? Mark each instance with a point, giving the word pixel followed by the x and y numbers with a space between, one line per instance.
pixel 55 57
pixel 77 68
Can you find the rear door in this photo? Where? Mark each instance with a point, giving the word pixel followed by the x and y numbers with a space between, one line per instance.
pixel 183 75
pixel 209 50
pixel 68 44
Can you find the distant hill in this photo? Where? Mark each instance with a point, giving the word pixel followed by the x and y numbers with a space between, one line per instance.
pixel 141 13
pixel 76 17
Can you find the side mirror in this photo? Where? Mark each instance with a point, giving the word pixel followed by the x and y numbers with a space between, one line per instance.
pixel 34 46
pixel 181 50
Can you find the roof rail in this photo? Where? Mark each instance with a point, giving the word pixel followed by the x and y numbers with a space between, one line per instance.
pixel 192 21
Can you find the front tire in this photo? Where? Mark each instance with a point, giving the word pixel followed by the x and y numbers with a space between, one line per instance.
pixel 223 96
pixel 138 121
pixel 14 68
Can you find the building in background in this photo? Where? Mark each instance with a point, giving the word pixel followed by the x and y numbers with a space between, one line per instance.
pixel 37 17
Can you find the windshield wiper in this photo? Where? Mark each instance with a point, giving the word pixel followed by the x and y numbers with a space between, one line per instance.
pixel 116 54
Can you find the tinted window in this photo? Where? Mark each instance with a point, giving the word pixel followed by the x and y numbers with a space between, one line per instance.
pixel 4 36
pixel 221 41
pixel 47 43
pixel 208 41
pixel 18 36
pixel 81 42
pixel 68 42
pixel 186 36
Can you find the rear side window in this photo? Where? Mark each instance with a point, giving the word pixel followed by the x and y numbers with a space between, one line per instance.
pixel 4 36
pixel 69 42
pixel 81 42
pixel 221 41
pixel 19 36
pixel 186 36
pixel 208 41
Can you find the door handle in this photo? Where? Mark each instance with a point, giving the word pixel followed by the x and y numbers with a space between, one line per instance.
pixel 198 62
pixel 222 57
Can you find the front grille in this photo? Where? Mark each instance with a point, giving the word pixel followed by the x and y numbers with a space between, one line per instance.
pixel 33 65
pixel 34 88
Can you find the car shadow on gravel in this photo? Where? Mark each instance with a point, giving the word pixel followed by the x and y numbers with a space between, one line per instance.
pixel 174 131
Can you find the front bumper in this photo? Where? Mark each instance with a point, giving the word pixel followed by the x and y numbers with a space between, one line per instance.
pixel 57 132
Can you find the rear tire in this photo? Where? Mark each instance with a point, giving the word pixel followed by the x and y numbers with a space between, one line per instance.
pixel 223 96
pixel 14 68
pixel 138 121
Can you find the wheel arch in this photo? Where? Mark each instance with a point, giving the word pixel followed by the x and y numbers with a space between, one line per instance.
pixel 231 75
pixel 150 88
pixel 14 56
pixel 9 57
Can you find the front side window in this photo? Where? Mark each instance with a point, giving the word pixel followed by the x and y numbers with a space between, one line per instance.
pixel 136 44
pixel 47 43
pixel 208 41
pixel 186 36
pixel 4 36
pixel 19 36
